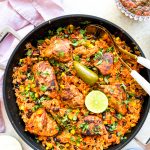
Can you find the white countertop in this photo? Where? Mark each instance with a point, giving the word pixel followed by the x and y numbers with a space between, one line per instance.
pixel 106 9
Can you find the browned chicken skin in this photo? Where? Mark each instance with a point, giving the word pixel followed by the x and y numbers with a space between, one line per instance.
pixel 60 49
pixel 71 96
pixel 44 75
pixel 117 97
pixel 42 124
pixel 91 125
pixel 51 105
pixel 106 66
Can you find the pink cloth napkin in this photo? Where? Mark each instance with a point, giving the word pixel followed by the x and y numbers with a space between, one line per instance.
pixel 22 16
pixel 21 13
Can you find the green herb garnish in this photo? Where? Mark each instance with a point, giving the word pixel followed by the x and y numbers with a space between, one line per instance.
pixel 82 31
pixel 106 79
pixel 29 52
pixel 43 88
pixel 61 54
pixel 76 58
pixel 40 41
pixel 84 126
pixel 98 55
pixel 99 62
pixel 110 49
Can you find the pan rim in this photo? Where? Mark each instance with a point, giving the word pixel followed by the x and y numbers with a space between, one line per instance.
pixel 140 124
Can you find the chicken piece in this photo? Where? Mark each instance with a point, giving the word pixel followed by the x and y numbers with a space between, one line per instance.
pixel 45 76
pixel 106 65
pixel 51 105
pixel 85 52
pixel 117 97
pixel 72 97
pixel 60 49
pixel 91 125
pixel 41 124
pixel 64 137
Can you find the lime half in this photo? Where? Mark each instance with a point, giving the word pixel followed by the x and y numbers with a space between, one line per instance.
pixel 96 101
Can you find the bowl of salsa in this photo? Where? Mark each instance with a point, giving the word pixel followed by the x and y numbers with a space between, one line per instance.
pixel 135 9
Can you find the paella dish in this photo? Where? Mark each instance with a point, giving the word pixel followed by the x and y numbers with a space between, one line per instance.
pixel 62 71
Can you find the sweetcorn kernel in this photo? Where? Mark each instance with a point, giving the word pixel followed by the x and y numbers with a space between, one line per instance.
pixel 62 86
pixel 72 131
pixel 67 145
pixel 40 111
pixel 49 145
pixel 62 74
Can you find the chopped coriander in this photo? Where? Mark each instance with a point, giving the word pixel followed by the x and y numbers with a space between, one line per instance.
pixel 113 126
pixel 69 110
pixel 88 59
pixel 106 79
pixel 110 49
pixel 32 95
pixel 46 73
pixel 60 29
pixel 41 99
pixel 43 88
pixel 99 62
pixel 29 52
pixel 64 119
pixel 131 94
pixel 75 43
pixel 40 41
pixel 115 59
pixel 123 138
pixel 61 54
pixel 36 107
pixel 76 58
pixel 38 73
pixel 82 31
pixel 96 129
pixel 119 116
pixel 126 101
pixel 119 134
pixel 123 86
pixel 72 139
pixel 98 55
pixel 50 32
pixel 74 118
pixel 57 128
pixel 84 126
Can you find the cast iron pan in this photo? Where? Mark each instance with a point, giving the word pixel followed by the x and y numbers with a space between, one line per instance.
pixel 39 33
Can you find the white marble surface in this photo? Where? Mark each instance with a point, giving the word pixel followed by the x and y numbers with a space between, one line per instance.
pixel 106 9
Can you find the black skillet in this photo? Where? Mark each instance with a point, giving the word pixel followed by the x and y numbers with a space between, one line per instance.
pixel 39 33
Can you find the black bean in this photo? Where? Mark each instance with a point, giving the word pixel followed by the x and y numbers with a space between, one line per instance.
pixel 68 73
pixel 88 133
pixel 48 139
pixel 53 83
pixel 56 139
pixel 29 114
pixel 110 136
pixel 64 98
pixel 37 83
pixel 56 109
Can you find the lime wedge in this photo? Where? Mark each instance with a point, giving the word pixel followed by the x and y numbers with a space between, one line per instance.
pixel 96 101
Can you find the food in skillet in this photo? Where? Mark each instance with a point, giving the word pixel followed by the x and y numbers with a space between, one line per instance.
pixel 56 77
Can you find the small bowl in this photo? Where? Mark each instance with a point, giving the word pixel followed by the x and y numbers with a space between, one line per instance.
pixel 130 14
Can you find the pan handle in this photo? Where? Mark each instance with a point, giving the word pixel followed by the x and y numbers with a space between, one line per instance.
pixel 6 30
pixel 3 33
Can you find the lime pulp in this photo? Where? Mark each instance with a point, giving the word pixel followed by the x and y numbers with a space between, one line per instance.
pixel 96 101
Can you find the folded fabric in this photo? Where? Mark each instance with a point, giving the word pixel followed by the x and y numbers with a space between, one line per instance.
pixel 19 14
pixel 22 16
